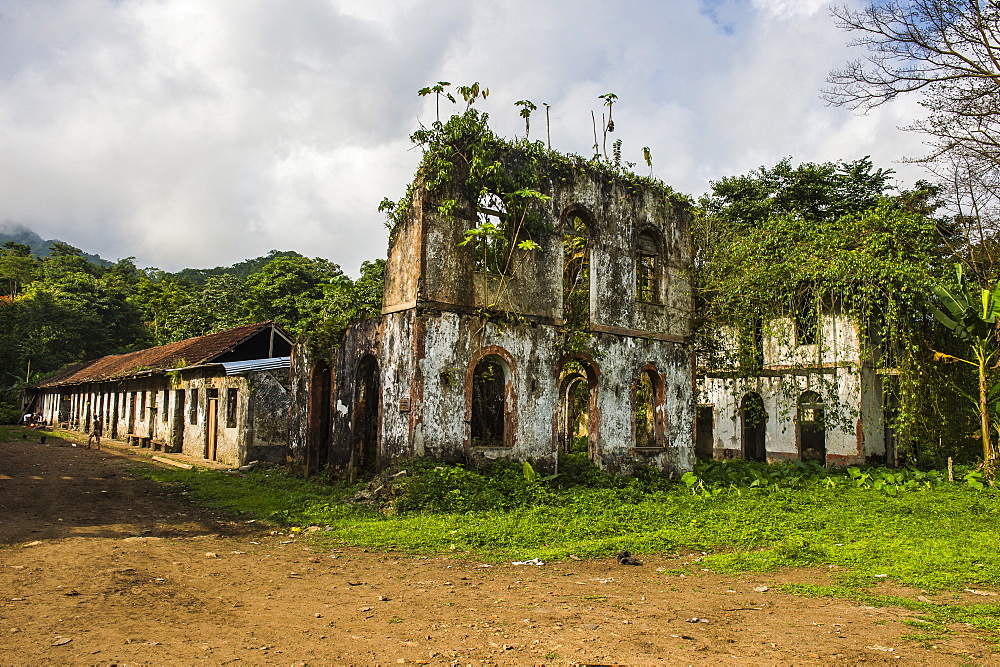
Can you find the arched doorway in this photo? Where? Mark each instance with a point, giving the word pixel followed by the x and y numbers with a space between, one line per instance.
pixel 365 418
pixel 489 426
pixel 647 418
pixel 578 412
pixel 753 419
pixel 811 427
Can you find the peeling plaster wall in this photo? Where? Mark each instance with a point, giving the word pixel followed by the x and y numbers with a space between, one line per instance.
pixel 361 340
pixel 397 364
pixel 432 334
pixel 832 368
pixel 298 410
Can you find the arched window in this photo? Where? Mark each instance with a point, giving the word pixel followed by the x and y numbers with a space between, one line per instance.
pixel 489 403
pixel 577 408
pixel 647 417
pixel 647 268
pixel 754 422
pixel 811 427
pixel 576 268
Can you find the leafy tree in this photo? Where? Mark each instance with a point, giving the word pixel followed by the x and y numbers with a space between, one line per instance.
pixel 947 53
pixel 158 296
pixel 971 314
pixel 17 267
pixel 836 234
pixel 288 290
pixel 345 302
pixel 217 306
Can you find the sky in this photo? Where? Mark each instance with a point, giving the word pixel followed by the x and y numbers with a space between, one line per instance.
pixel 197 133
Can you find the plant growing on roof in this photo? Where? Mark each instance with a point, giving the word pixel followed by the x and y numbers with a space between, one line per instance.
pixel 438 89
pixel 527 106
pixel 609 126
pixel 496 187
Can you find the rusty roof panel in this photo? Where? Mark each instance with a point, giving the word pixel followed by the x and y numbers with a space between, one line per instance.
pixel 190 352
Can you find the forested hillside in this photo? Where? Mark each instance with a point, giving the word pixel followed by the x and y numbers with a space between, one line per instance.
pixel 64 308
pixel 39 247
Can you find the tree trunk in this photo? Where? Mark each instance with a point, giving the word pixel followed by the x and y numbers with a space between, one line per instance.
pixel 984 415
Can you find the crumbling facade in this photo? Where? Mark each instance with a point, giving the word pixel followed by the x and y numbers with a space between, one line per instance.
pixel 222 397
pixel 580 343
pixel 815 394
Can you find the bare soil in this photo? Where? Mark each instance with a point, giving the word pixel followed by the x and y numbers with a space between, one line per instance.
pixel 98 566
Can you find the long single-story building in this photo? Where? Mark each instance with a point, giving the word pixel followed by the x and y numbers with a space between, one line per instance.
pixel 222 397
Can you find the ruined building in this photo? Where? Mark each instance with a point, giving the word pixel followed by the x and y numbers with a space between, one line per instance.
pixel 579 339
pixel 222 397
pixel 813 393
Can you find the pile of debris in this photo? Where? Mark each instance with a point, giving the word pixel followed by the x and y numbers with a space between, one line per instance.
pixel 381 491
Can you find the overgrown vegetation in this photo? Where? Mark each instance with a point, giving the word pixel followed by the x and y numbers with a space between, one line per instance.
pixel 64 308
pixel 915 527
pixel 780 244
pixel 494 187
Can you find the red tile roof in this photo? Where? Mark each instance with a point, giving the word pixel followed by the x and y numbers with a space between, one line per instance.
pixel 190 352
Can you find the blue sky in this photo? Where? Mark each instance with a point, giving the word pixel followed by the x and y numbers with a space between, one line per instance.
pixel 202 132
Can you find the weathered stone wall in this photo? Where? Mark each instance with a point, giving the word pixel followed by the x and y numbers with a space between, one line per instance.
pixel 833 368
pixel 298 409
pixel 264 418
pixel 434 333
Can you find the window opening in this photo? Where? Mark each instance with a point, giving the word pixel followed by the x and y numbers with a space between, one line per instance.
pixel 751 345
pixel 166 404
pixel 489 403
pixel 806 320
pixel 647 266
pixel 492 244
pixel 576 269
pixel 231 402
pixel 194 406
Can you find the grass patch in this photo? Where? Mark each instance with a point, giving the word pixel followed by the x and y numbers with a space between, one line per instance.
pixel 933 619
pixel 931 535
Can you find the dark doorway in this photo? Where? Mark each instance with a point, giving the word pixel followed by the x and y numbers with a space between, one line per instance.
pixel 177 437
pixel 753 418
pixel 212 425
pixel 489 403
pixel 811 428
pixel 365 420
pixel 704 447
pixel 318 440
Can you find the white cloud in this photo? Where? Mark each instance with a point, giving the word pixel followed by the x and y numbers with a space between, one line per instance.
pixel 201 132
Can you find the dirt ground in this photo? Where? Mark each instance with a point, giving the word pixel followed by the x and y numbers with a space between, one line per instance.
pixel 98 566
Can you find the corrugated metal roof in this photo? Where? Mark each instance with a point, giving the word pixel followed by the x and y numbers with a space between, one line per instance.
pixel 190 352
pixel 272 364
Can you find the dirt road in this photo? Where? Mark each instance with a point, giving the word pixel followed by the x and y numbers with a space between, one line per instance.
pixel 98 566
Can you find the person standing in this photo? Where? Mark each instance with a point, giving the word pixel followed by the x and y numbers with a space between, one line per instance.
pixel 96 432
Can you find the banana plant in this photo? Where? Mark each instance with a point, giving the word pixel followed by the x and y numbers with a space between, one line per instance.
pixel 970 312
